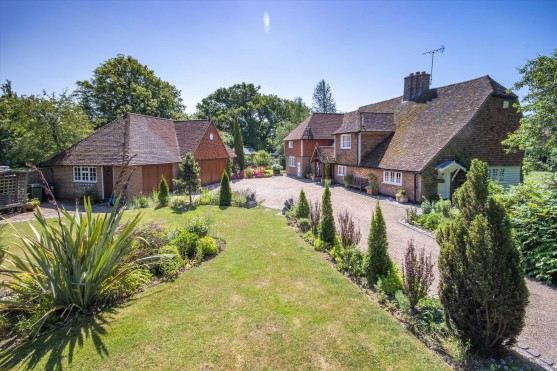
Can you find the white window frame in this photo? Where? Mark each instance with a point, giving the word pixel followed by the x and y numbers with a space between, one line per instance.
pixel 348 139
pixel 290 144
pixel 85 174
pixel 392 177
pixel 341 170
pixel 496 174
pixel 291 161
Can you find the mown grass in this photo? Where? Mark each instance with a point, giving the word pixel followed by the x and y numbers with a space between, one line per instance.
pixel 539 177
pixel 267 301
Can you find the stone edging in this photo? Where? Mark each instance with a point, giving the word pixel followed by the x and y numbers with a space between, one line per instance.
pixel 417 229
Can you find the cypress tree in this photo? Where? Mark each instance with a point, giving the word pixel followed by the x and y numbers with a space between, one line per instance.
pixel 164 192
pixel 302 210
pixel 239 145
pixel 225 195
pixel 229 168
pixel 377 260
pixel 482 286
pixel 327 226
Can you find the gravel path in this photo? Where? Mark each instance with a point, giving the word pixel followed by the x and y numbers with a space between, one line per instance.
pixel 540 332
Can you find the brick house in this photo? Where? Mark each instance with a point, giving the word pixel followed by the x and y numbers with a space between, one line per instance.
pixel 316 131
pixel 423 140
pixel 153 146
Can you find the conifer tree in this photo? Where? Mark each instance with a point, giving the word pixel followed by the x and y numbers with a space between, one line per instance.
pixel 377 260
pixel 225 195
pixel 164 192
pixel 482 286
pixel 302 210
pixel 239 145
pixel 188 176
pixel 327 226
pixel 229 167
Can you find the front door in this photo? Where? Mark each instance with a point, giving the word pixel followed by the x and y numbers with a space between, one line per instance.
pixel 299 169
pixel 108 181
pixel 444 187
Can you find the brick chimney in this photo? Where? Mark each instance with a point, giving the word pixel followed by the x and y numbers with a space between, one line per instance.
pixel 415 84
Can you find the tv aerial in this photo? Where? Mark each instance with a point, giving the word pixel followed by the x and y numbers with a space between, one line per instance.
pixel 432 52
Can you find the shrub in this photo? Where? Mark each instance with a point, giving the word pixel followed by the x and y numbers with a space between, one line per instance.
pixel 443 207
pixel 348 259
pixel 302 208
pixel 482 286
pixel 403 302
pixel 206 246
pixel 304 225
pixel 348 231
pixel 327 226
pixel 149 238
pixel 288 206
pixel 171 263
pixel 431 222
pixel 186 242
pixel 229 167
pixel 411 215
pixel 249 172
pixel 427 206
pixel 262 158
pixel 391 282
pixel 69 265
pixel 131 283
pixel 314 216
pixel 179 203
pixel 164 192
pixel 417 274
pixel 377 262
pixel 197 224
pixel 140 201
pixel 225 196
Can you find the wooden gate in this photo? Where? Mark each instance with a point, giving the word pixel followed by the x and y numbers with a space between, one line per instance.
pixel 211 170
pixel 152 176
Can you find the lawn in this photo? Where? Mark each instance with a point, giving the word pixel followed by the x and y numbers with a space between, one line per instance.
pixel 537 176
pixel 267 301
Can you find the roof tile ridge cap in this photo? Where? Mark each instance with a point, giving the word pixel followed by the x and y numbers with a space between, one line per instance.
pixel 149 116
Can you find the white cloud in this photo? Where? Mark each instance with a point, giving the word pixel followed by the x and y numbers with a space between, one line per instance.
pixel 267 22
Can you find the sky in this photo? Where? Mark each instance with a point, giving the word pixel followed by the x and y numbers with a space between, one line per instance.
pixel 363 49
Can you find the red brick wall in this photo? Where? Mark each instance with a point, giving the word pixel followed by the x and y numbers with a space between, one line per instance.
pixel 309 146
pixel 210 149
pixel 296 151
pixel 347 156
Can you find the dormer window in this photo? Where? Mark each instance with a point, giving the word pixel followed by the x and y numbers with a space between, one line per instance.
pixel 345 141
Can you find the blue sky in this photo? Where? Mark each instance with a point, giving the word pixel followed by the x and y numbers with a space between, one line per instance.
pixel 363 49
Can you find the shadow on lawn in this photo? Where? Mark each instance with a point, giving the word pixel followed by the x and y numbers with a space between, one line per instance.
pixel 52 346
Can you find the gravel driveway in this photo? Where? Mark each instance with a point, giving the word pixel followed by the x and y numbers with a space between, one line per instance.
pixel 540 332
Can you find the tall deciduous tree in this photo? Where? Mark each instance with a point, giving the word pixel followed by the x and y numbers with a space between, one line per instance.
pixel 36 127
pixel 122 84
pixel 482 286
pixel 323 98
pixel 239 146
pixel 188 175
pixel 537 134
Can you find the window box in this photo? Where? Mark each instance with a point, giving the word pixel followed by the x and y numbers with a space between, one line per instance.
pixel 345 141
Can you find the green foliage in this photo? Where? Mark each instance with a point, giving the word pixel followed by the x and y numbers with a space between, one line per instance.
pixel 70 266
pixel 327 225
pixel 533 213
pixel 537 134
pixel 197 224
pixel 149 238
pixel 302 208
pixel 164 192
pixel 130 284
pixel 171 261
pixel 186 242
pixel 179 203
pixel 36 127
pixel 239 145
pixel 121 85
pixel 323 99
pixel 225 195
pixel 188 176
pixel 417 274
pixel 348 259
pixel 482 285
pixel 429 221
pixel 229 167
pixel 140 201
pixel 304 224
pixel 206 246
pixel 377 263
pixel 262 158
pixel 391 282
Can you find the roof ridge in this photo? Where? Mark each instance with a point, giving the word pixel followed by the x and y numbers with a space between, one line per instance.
pixel 142 115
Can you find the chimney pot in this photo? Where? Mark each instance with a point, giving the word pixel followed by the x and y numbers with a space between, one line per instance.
pixel 411 74
pixel 415 84
pixel 423 72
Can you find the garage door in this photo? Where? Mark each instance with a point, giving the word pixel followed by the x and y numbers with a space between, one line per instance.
pixel 152 176
pixel 211 170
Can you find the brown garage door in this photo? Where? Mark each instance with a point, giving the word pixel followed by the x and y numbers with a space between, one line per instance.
pixel 152 176
pixel 211 170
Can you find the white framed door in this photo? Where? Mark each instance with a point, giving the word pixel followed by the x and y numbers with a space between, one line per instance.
pixel 299 169
pixel 444 188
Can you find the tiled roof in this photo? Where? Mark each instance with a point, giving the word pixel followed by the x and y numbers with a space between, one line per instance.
pixel 425 125
pixel 231 152
pixel 317 126
pixel 356 121
pixel 144 139
pixel 324 153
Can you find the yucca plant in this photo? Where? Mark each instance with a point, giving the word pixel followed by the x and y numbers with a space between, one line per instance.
pixel 71 265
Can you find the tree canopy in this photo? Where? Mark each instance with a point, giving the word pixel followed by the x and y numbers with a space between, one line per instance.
pixel 537 134
pixel 323 98
pixel 122 84
pixel 260 117
pixel 36 127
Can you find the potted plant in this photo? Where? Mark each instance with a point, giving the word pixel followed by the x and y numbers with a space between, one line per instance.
pixel 276 169
pixel 32 204
pixel 372 187
pixel 401 196
pixel 348 180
